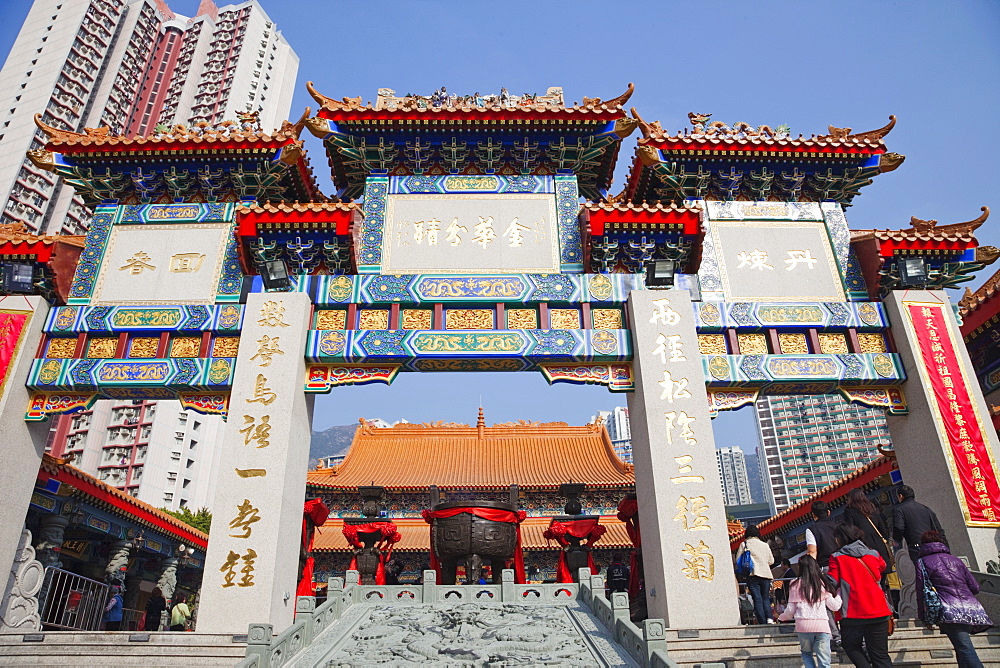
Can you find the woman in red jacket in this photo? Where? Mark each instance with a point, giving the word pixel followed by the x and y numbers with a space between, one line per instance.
pixel 864 617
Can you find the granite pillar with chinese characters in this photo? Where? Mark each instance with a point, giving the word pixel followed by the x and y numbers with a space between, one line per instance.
pixel 21 320
pixel 946 446
pixel 685 542
pixel 251 567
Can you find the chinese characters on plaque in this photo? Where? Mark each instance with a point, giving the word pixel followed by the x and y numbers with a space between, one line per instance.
pixel 972 462
pixel 692 507
pixel 238 569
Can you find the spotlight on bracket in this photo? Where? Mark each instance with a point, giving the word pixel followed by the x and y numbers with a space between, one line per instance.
pixel 912 272
pixel 660 273
pixel 16 277
pixel 274 274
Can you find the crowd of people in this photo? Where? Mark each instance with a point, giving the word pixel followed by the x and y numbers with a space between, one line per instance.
pixel 156 605
pixel 839 591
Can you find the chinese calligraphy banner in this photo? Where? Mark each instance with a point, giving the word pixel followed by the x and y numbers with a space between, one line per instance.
pixel 973 466
pixel 481 233
pixel 11 327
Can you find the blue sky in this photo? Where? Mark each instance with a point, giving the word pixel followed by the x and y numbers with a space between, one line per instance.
pixel 848 63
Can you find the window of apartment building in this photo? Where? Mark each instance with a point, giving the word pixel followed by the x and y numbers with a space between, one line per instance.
pixel 185 484
pixel 190 463
pixel 168 497
pixel 183 503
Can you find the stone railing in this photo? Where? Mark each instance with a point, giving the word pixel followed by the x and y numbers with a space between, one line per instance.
pixel 647 644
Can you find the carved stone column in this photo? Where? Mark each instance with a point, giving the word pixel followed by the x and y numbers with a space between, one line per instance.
pixel 168 578
pixel 114 572
pixel 51 531
pixel 19 605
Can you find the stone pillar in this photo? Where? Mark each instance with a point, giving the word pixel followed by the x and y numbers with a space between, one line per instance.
pixel 23 442
pixel 19 613
pixel 934 451
pixel 114 572
pixel 51 530
pixel 685 541
pixel 168 578
pixel 251 567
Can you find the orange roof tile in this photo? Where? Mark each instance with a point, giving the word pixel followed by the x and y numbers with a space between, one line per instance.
pixel 716 133
pixel 415 535
pixel 972 300
pixel 526 454
pixel 17 233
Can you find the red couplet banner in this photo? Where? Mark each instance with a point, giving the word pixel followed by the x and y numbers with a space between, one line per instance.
pixel 11 327
pixel 971 459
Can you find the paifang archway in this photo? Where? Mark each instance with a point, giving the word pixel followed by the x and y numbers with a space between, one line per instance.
pixel 474 234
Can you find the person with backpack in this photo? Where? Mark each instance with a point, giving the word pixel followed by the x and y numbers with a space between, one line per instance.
pixel 809 598
pixel 759 578
pixel 864 614
pixel 945 578
pixel 617 575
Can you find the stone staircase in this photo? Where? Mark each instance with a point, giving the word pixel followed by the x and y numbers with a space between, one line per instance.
pixel 777 646
pixel 150 650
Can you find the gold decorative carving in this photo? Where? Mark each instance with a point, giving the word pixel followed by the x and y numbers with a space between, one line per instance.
pixel 331 319
pixel 831 343
pixel 564 318
pixel 373 319
pixel 710 314
pixel 522 318
pixel 102 348
pixel 606 318
pixel 61 348
pixel 600 287
pixel 752 344
pixel 225 346
pixel 794 343
pixel 871 343
pixel 185 346
pixel 712 344
pixel 883 366
pixel 416 319
pixel 468 318
pixel 143 346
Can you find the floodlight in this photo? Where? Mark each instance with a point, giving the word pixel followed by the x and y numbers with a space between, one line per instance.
pixel 274 274
pixel 912 272
pixel 660 273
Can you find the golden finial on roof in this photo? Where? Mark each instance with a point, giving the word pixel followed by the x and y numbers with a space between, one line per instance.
pixel 481 423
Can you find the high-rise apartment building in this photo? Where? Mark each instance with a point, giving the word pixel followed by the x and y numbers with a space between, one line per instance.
pixel 810 441
pixel 155 451
pixel 128 65
pixel 733 473
pixel 617 423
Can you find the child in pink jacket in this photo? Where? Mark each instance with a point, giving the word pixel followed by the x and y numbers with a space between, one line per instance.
pixel 808 600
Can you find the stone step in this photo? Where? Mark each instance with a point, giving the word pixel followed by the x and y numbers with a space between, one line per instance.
pixel 63 648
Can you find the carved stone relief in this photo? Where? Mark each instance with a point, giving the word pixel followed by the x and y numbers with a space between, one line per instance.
pixel 19 608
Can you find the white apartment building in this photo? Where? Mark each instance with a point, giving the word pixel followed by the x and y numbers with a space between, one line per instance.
pixel 155 451
pixel 617 423
pixel 733 474
pixel 128 65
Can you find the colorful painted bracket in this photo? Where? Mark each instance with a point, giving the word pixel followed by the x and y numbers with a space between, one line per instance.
pixel 890 398
pixel 729 400
pixel 43 404
pixel 206 404
pixel 617 377
pixel 322 378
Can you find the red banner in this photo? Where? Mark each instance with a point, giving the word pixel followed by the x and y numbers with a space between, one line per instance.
pixel 11 327
pixel 971 459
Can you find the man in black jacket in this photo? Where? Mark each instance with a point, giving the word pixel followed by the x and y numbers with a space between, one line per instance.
pixel 911 519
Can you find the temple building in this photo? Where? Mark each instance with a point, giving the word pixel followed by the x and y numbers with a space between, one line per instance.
pixel 129 66
pixel 472 463
pixel 980 312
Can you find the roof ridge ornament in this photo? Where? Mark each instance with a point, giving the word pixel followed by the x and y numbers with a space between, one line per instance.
pixel 967 227
pixel 871 135
pixel 613 102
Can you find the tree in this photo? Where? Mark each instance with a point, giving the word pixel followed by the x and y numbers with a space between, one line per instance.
pixel 200 520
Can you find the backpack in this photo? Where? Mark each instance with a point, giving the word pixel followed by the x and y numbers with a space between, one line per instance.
pixel 744 565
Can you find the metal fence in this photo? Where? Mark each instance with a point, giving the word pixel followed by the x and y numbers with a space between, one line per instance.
pixel 71 602
pixel 132 620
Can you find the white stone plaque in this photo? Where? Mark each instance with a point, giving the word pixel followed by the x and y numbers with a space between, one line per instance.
pixel 783 262
pixel 162 264
pixel 499 234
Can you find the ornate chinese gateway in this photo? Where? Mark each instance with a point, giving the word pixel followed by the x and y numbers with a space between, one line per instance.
pixel 478 233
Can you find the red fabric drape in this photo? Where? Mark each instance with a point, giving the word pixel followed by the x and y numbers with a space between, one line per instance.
pixel 314 513
pixel 492 514
pixel 390 536
pixel 628 512
pixel 589 529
